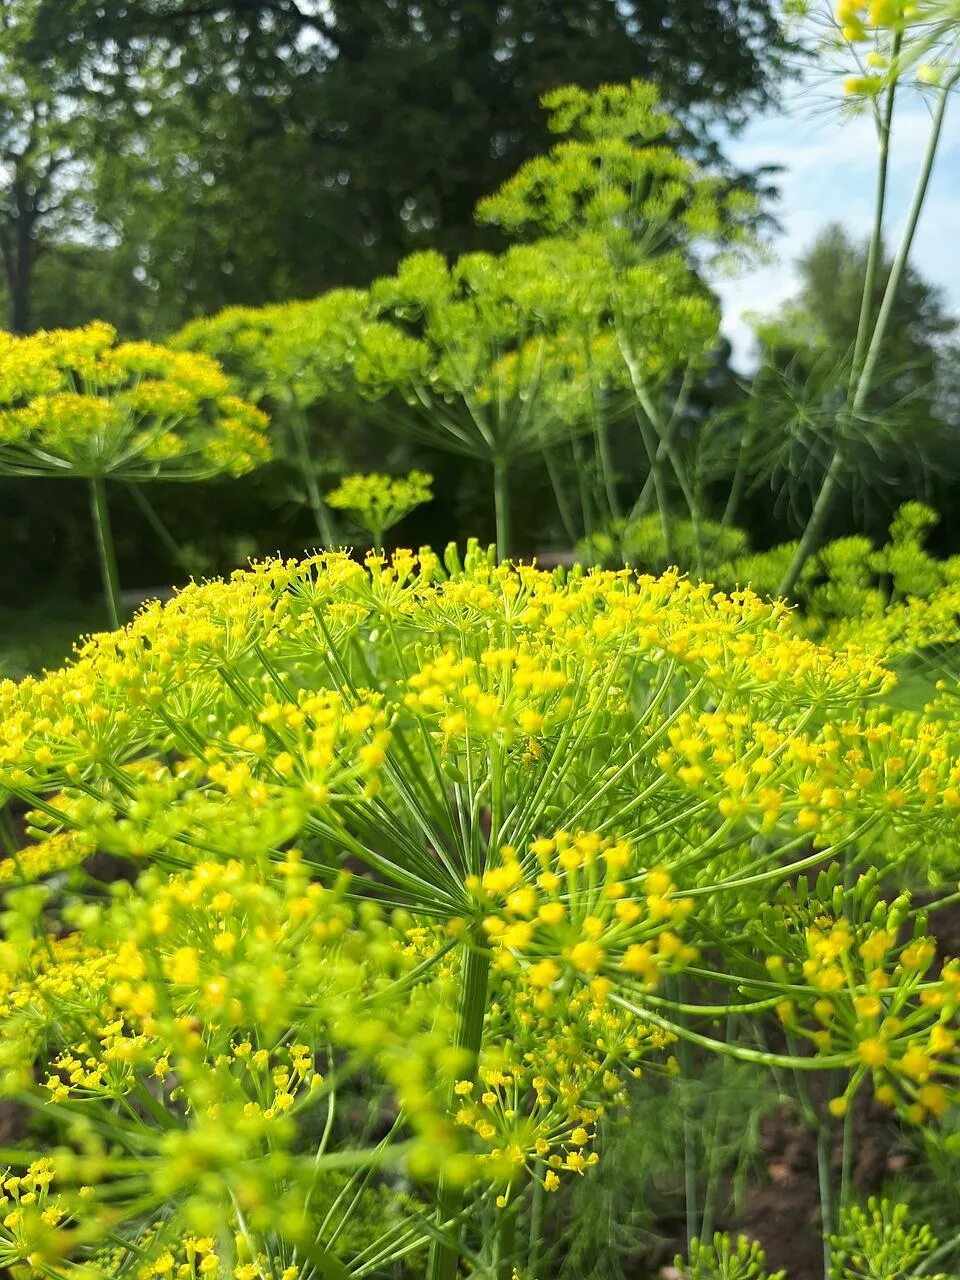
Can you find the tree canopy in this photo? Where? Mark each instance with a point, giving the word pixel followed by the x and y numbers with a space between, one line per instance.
pixel 265 155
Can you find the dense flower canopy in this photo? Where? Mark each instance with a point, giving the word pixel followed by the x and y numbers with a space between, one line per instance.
pixel 354 790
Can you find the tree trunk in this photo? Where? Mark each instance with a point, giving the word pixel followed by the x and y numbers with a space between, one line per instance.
pixel 20 252
pixel 20 282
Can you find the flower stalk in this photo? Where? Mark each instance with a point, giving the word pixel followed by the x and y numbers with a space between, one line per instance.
pixel 106 551
pixel 475 976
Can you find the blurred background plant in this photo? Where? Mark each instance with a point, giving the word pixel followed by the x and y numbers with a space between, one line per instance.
pixel 377 502
pixel 76 403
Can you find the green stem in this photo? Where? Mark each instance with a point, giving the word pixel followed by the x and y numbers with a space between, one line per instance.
pixel 690 1163
pixel 602 435
pixel 864 378
pixel 563 505
pixel 501 504
pixel 712 1187
pixel 584 488
pixel 875 248
pixel 659 484
pixel 473 1006
pixel 824 1145
pixel 664 448
pixel 690 1171
pixel 506 1241
pixel 810 539
pixel 537 1207
pixel 321 514
pixel 105 549
pixel 606 470
pixel 739 483
pixel 898 268
pixel 846 1158
pixel 164 536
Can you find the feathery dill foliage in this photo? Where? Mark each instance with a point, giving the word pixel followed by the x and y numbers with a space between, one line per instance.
pixel 436 834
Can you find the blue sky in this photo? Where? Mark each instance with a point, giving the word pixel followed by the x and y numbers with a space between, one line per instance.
pixel 829 168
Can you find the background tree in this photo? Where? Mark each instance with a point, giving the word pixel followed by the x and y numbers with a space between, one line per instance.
pixel 252 93
pixel 806 348
pixel 41 132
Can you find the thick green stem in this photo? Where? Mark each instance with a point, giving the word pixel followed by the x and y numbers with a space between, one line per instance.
pixel 863 379
pixel 537 1207
pixel 507 1242
pixel 815 525
pixel 501 505
pixel 602 435
pixel 607 471
pixel 105 549
pixel 659 485
pixel 473 1006
pixel 321 514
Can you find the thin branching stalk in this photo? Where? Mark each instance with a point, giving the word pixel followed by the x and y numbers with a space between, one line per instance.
pixel 105 549
pixel 163 534
pixel 560 497
pixel 321 514
pixel 739 483
pixel 884 121
pixel 810 539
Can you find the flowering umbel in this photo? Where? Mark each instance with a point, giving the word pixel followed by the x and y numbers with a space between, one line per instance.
pixel 476 835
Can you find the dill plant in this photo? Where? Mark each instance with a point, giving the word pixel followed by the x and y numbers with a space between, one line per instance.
pixel 891 48
pixel 294 359
pixel 76 403
pixel 477 840
pixel 600 314
pixel 377 502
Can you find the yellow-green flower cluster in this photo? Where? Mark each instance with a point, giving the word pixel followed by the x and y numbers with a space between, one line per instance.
pixel 575 904
pixel 32 1217
pixel 377 502
pixel 873 1000
pixel 211 1016
pixel 904 35
pixel 77 402
pixel 570 796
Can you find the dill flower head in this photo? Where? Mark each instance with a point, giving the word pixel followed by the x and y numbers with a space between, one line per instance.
pixel 77 402
pixel 377 502
pixel 474 833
